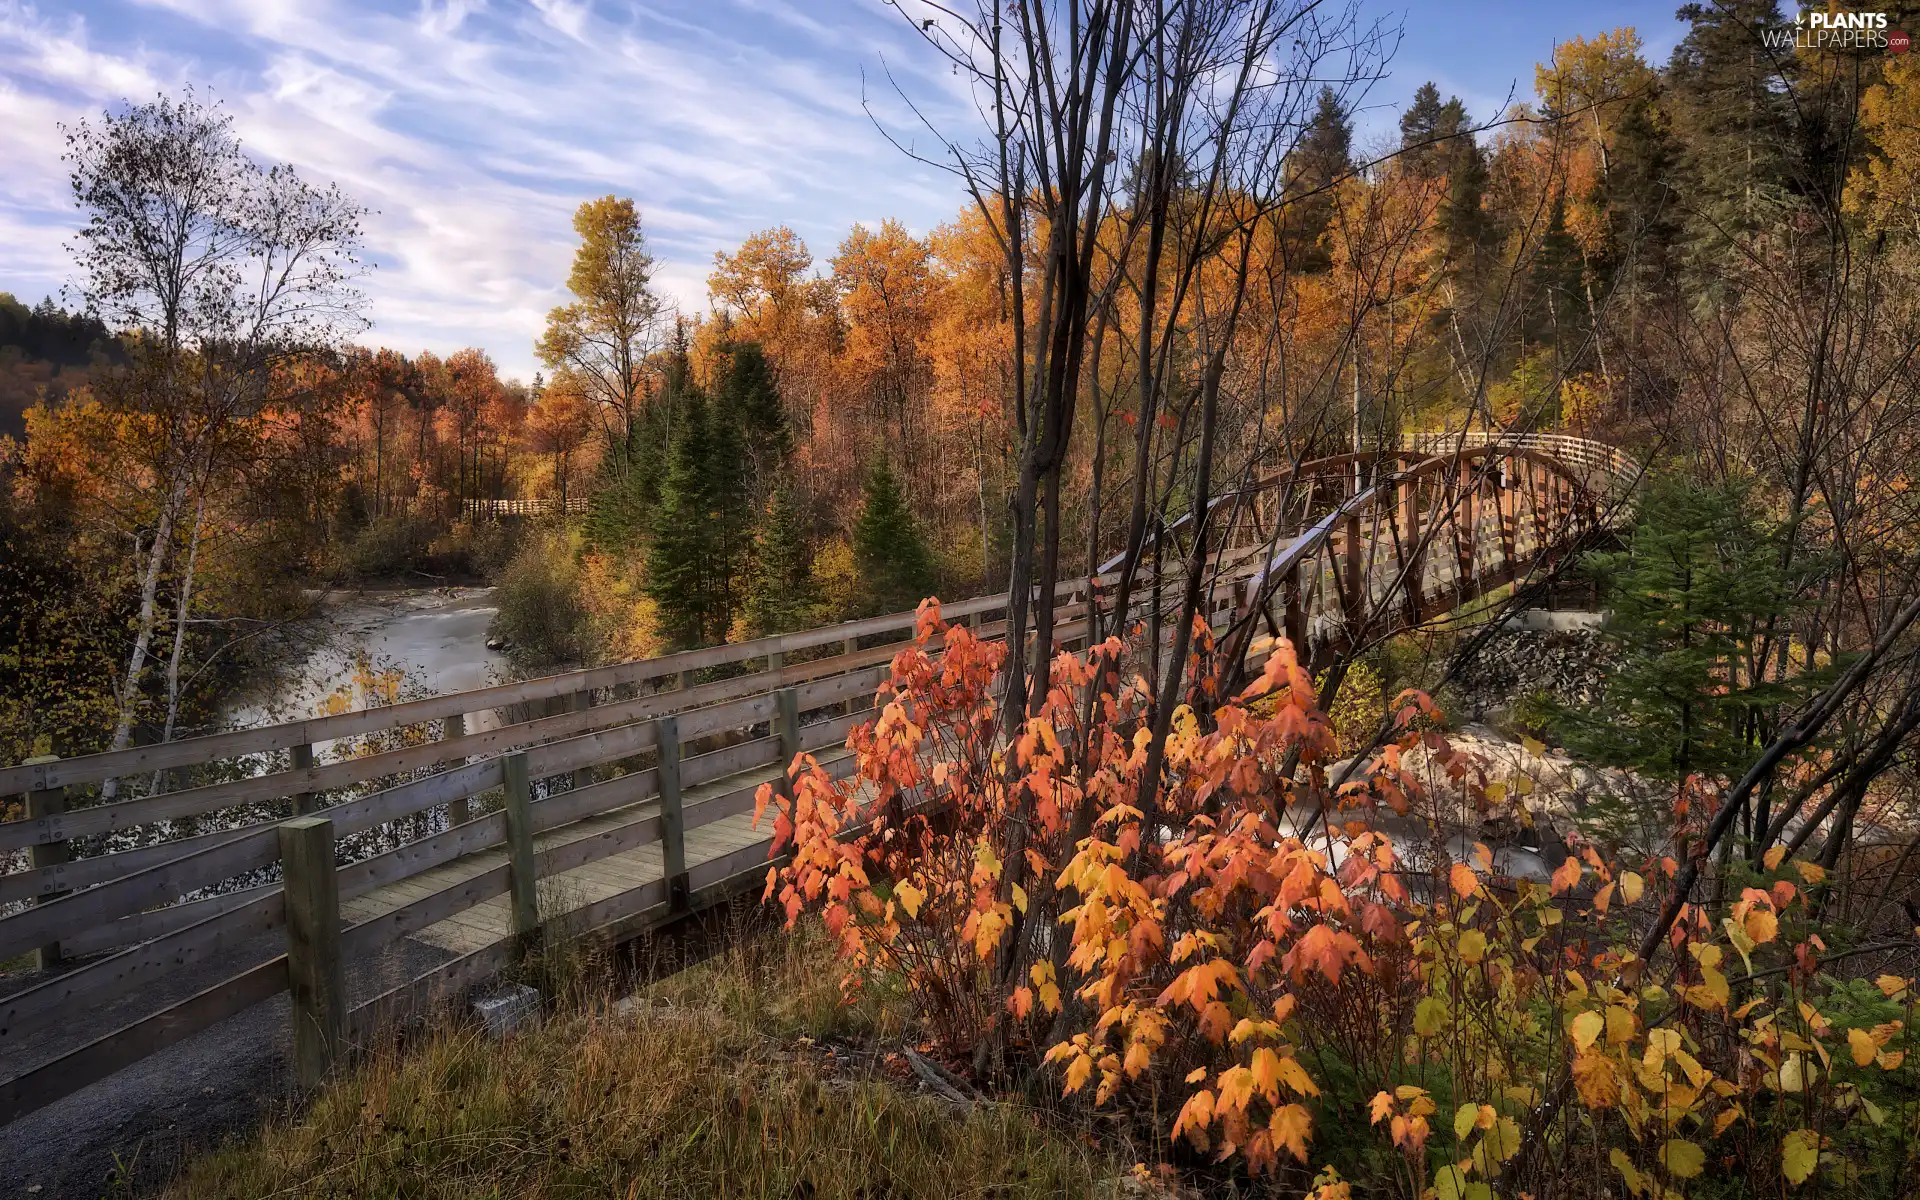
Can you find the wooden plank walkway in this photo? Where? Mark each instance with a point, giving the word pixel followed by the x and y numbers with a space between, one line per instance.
pixel 569 891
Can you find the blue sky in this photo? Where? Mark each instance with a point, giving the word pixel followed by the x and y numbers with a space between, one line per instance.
pixel 474 127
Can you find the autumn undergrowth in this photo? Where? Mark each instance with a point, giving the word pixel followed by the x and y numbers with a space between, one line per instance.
pixel 718 1082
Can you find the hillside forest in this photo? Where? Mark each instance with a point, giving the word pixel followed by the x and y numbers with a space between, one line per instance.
pixel 1173 268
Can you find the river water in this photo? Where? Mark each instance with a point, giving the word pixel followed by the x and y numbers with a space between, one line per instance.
pixel 435 637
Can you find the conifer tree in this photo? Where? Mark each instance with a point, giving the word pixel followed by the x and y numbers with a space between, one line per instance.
pixel 702 529
pixel 1732 104
pixel 896 568
pixel 1323 155
pixel 749 400
pixel 1691 598
pixel 782 596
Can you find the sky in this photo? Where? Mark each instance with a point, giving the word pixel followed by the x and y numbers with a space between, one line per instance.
pixel 474 128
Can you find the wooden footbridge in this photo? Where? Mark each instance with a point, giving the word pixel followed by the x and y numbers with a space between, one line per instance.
pixel 607 801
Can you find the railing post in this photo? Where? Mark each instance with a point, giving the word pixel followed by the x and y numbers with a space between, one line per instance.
pixel 1356 601
pixel 673 826
pixel 850 706
pixel 315 975
pixel 582 701
pixel 43 803
pixel 774 660
pixel 1416 564
pixel 1503 509
pixel 521 869
pixel 1466 540
pixel 452 729
pixel 1296 618
pixel 786 726
pixel 302 760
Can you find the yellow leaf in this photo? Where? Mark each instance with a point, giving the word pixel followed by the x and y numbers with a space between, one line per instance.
pixel 1496 792
pixel 1587 1027
pixel 1631 886
pixel 1295 1076
pixel 1533 746
pixel 1020 897
pixel 1682 1159
pixel 1464 1119
pixel 1810 873
pixel 1774 857
pixel 1799 1155
pixel 1861 1043
pixel 1236 1088
pixel 1381 1108
pixel 1503 1135
pixel 1429 1016
pixel 910 898
pixel 1796 1072
pixel 1636 1183
pixel 1291 1126
pixel 1473 946
pixel 1079 1070
pixel 1620 1025
pixel 1196 1075
pixel 1890 985
pixel 1761 925
pixel 1266 1072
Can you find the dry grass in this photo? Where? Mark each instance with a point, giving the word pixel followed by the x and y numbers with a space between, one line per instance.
pixel 715 1088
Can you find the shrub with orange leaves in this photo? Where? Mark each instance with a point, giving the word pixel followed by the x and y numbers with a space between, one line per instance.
pixel 1248 938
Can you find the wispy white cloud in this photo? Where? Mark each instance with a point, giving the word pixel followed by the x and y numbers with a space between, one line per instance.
pixel 474 127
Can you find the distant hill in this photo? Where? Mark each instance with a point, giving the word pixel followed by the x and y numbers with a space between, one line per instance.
pixel 45 350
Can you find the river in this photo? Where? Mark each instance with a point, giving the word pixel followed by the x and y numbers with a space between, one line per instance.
pixel 436 638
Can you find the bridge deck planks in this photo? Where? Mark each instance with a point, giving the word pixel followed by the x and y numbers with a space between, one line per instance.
pixel 566 892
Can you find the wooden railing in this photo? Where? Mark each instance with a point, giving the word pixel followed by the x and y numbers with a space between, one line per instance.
pixel 543 506
pixel 632 738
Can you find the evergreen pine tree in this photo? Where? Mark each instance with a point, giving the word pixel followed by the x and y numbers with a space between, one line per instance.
pixel 749 400
pixel 1731 103
pixel 1430 133
pixel 782 596
pixel 896 568
pixel 1324 155
pixel 702 529
pixel 1691 597
pixel 1557 312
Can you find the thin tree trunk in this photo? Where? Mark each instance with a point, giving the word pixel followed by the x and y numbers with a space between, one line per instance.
pixel 180 629
pixel 144 627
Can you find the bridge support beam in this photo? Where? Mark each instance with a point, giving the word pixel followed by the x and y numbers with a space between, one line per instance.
pixel 41 804
pixel 786 727
pixel 582 701
pixel 451 728
pixel 1411 559
pixel 522 871
pixel 315 974
pixel 302 760
pixel 673 823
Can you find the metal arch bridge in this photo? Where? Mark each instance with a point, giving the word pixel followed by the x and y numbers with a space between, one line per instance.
pixel 606 801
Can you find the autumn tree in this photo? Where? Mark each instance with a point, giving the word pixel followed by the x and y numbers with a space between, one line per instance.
pixel 557 426
pixel 229 271
pixel 603 337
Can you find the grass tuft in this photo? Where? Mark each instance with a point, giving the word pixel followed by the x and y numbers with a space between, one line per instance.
pixel 711 1087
